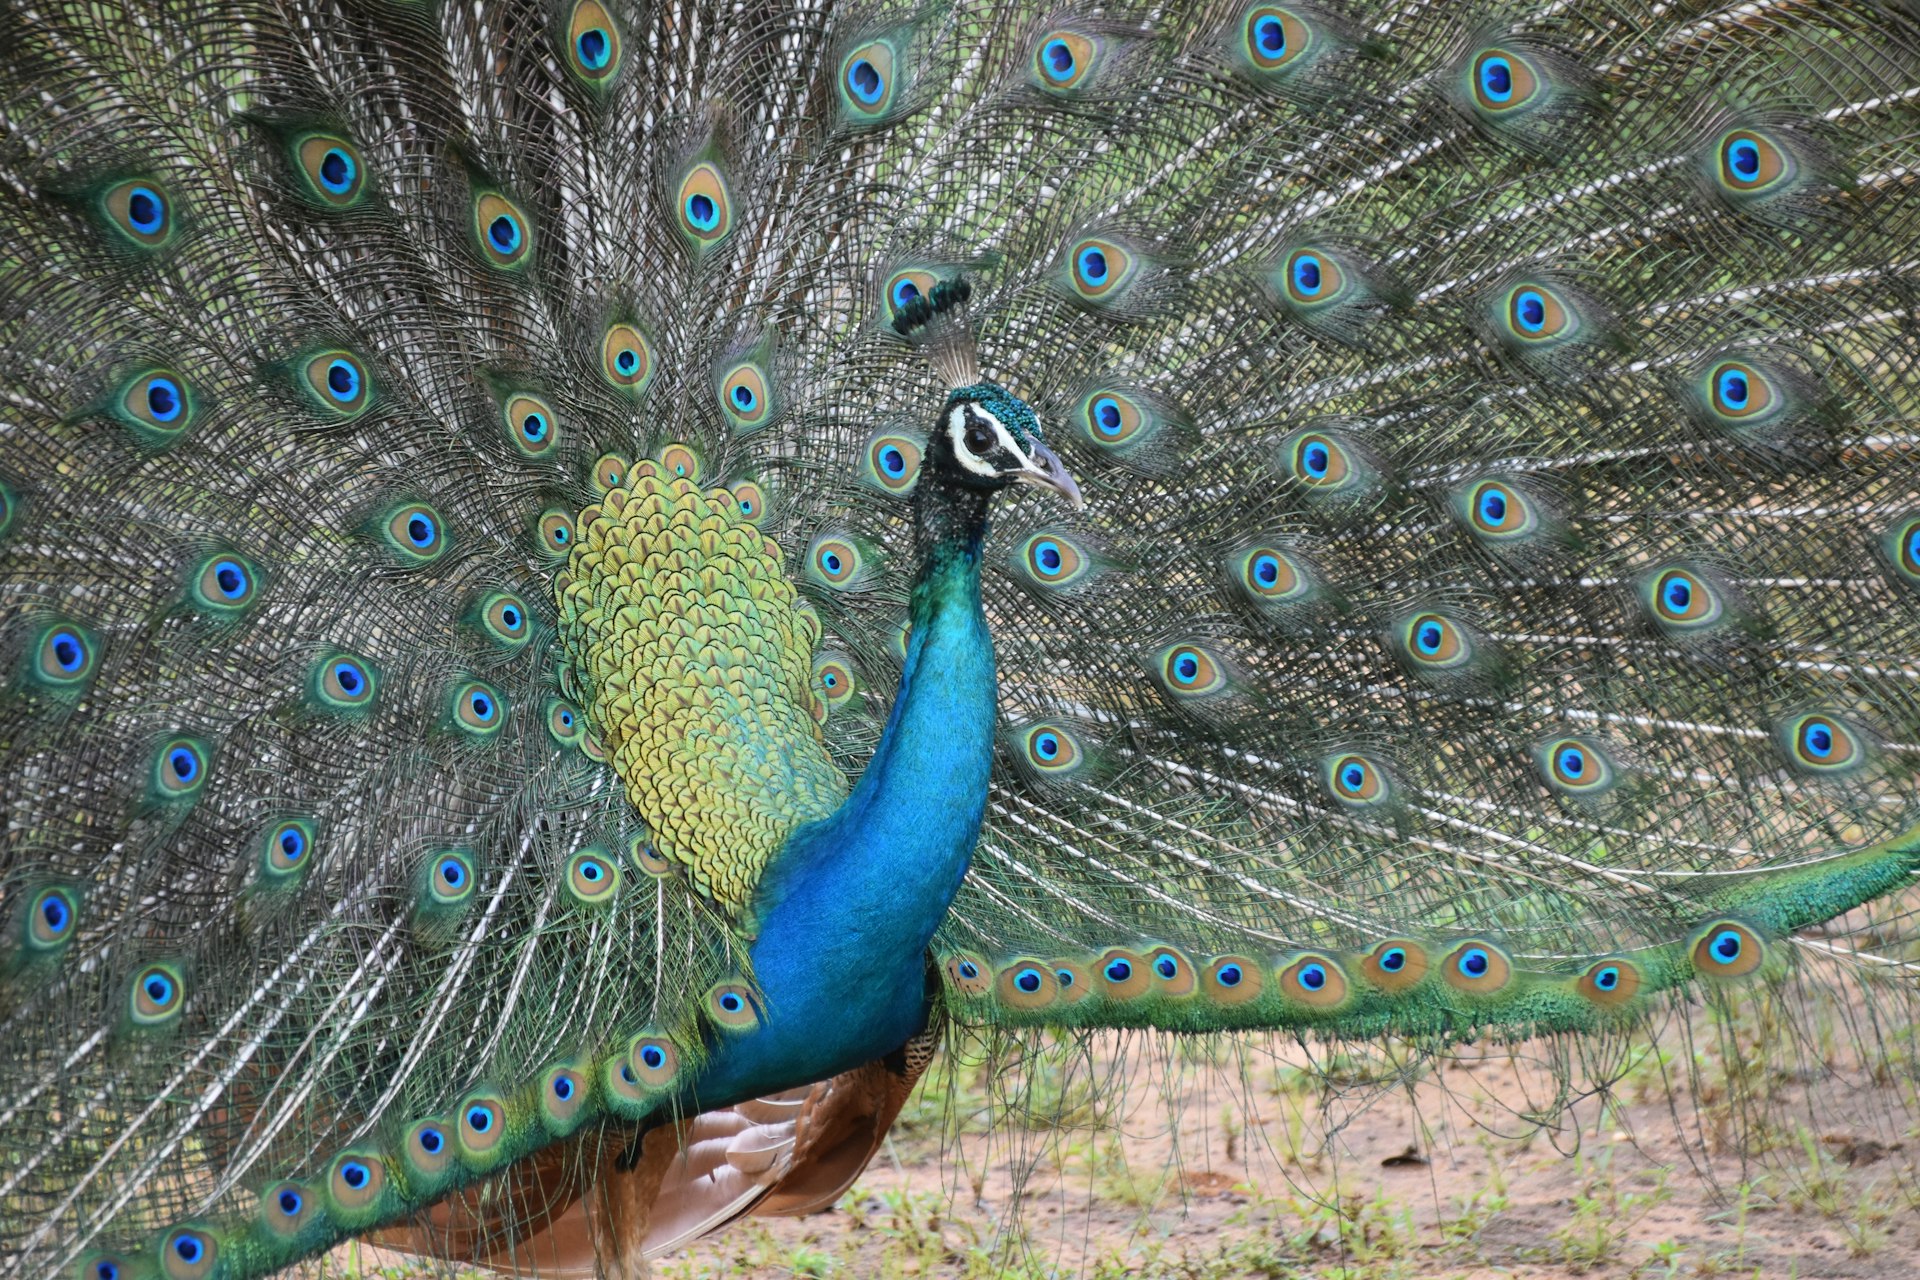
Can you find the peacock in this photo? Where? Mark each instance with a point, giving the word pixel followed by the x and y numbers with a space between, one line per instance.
pixel 581 580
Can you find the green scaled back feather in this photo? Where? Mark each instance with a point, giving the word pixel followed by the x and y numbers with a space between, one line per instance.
pixel 1497 606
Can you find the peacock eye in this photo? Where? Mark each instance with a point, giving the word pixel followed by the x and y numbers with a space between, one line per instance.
pixel 979 440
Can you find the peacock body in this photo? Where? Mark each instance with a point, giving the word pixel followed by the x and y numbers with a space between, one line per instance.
pixel 508 664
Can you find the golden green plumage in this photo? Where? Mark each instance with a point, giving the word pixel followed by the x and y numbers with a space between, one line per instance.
pixel 698 662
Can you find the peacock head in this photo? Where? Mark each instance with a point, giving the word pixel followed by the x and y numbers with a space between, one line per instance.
pixel 988 438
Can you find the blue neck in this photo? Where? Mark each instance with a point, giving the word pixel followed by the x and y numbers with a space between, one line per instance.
pixel 847 909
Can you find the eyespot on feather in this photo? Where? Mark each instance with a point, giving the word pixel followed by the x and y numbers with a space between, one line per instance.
pixel 532 426
pixel 478 709
pixel 731 1006
pixel 1100 269
pixel 867 85
pixel 626 359
pixel 188 1253
pixel 157 996
pixel 141 211
pixel 1395 965
pixel 1063 60
pixel 286 850
pixel 226 585
pixel 564 1094
pixel 1234 980
pixel 968 973
pixel 1173 973
pixel 354 1184
pixel 703 206
pixel 1727 949
pixel 1189 671
pixel 415 533
pixel 1821 743
pixel 1313 979
pixel 330 169
pixel 504 619
pixel 1355 780
pixel 655 1060
pixel 1122 974
pixel 892 462
pixel 591 44
pixel 287 1209
pixel 746 396
pixel 53 916
pixel 158 405
pixel 1575 767
pixel 504 233
pixel 482 1125
pixel 1071 979
pixel 428 1150
pixel 179 769
pixel 337 381
pixel 1027 984
pixel 64 656
pixel 1476 967
pixel 646 857
pixel 1610 983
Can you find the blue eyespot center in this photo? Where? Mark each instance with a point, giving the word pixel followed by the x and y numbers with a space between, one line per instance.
pixel 1229 975
pixel 1475 963
pixel 1531 307
pixel 1266 569
pixel 1093 266
pixel 1678 595
pixel 1818 739
pixel 482 706
pixel 831 562
pixel 1313 977
pixel 1064 977
pixel 1573 761
pixel 343 380
pixel 1496 79
pixel 106 1271
pixel 743 397
pixel 357 1175
pixel 1733 389
pixel 1106 416
pixel 145 211
pixel 1271 35
pixel 349 678
pixel 68 651
pixel 1607 979
pixel 158 988
pixel 1306 274
pixel 504 232
pixel 1057 58
pixel 1118 971
pixel 184 764
pixel 1428 638
pixel 1048 554
pixel 1028 980
pixel 1744 156
pixel 1726 946
pixel 431 1141
pixel 1046 746
pixel 626 361
pixel 231 579
pixel 163 399
pixel 653 1057
pixel 534 427
pixel 479 1119
pixel 289 1200
pixel 1187 669
pixel 452 873
pixel 594 49
pixel 893 462
pixel 1166 966
pixel 1493 506
pixel 969 970
pixel 1353 777
pixel 865 82
pixel 904 292
pixel 188 1248
pixel 55 912
pixel 336 171
pixel 730 1002
pixel 1316 459
pixel 420 530
pixel 1394 960
pixel 293 844
pixel 702 212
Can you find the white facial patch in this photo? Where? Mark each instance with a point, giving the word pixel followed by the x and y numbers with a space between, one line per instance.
pixel 967 416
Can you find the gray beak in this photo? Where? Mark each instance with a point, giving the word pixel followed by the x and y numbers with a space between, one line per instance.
pixel 1045 471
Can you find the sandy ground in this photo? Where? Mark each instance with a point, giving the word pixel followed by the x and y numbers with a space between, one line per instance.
pixel 1752 1154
